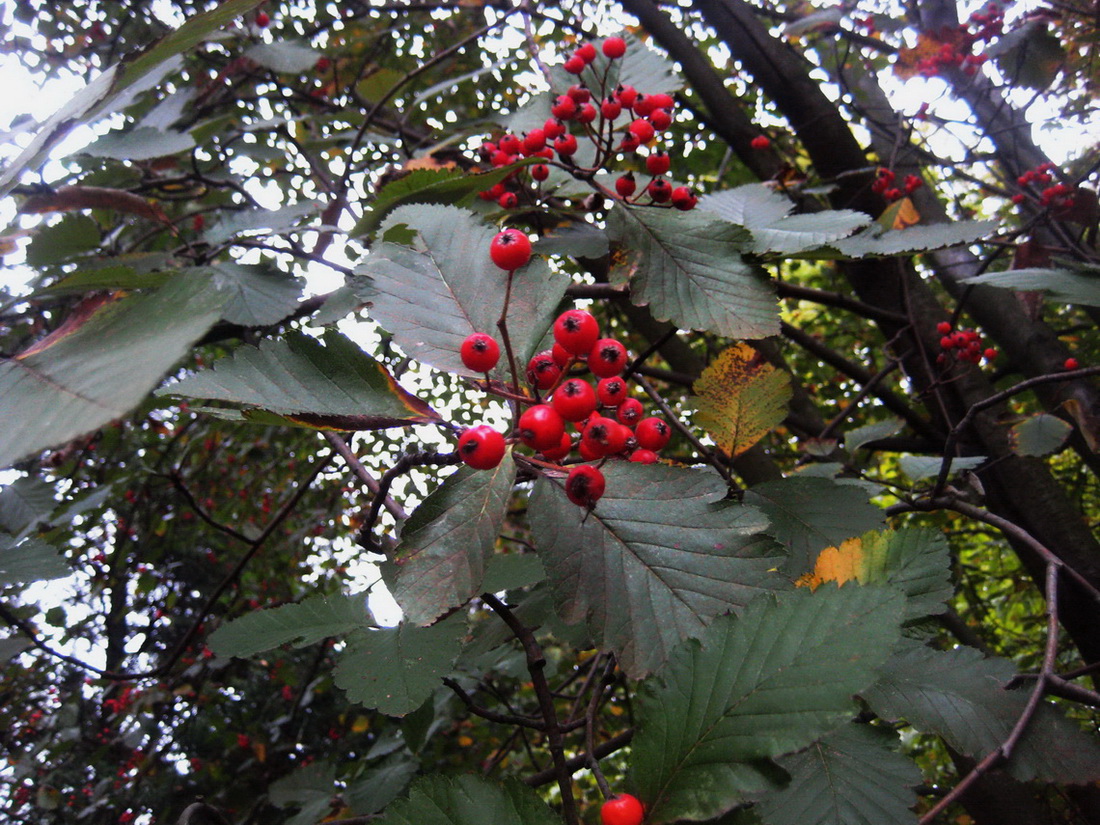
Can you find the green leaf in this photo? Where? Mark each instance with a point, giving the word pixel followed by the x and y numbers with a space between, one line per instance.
pixel 30 560
pixel 284 56
pixel 273 221
pixel 577 240
pixel 958 695
pixel 751 689
pixel 919 467
pixel 1059 284
pixel 1039 435
pixel 380 786
pixel 658 558
pixel 70 236
pixel 851 777
pixel 809 514
pixel 468 800
pixel 766 214
pixel 875 243
pixel 332 385
pixel 24 503
pixel 310 788
pixel 394 670
pixel 688 269
pixel 305 623
pixel 435 296
pixel 258 294
pixel 512 572
pixel 857 437
pixel 447 541
pixel 142 143
pixel 100 364
pixel 107 278
pixel 114 88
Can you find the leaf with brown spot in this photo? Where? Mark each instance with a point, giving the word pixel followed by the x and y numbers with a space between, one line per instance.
pixel 740 398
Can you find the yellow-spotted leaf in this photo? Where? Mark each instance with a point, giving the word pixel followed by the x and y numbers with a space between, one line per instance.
pixel 740 397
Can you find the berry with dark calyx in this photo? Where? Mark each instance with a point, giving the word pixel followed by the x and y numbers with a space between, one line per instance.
pixel 554 128
pixel 541 428
pixel 1071 364
pixel 660 190
pixel 585 486
pixel 605 436
pixel 658 163
pixel 622 809
pixel 575 64
pixel 481 447
pixel 540 171
pixel 577 331
pixel 508 200
pixel 480 352
pixel 564 447
pixel 626 95
pixel 943 327
pixel 566 145
pixel 661 100
pixel 574 400
pixel 625 185
pixel 642 130
pixel 660 119
pixel 631 412
pixel 588 452
pixel 652 433
pixel 630 143
pixel 643 456
pixel 534 141
pixel 607 358
pixel 542 371
pixel 580 94
pixel 586 52
pixel 510 249
pixel 564 108
pixel 760 142
pixel 501 158
pixel 611 108
pixel 511 144
pixel 644 105
pixel 683 199
pixel 614 48
pixel 587 113
pixel 612 391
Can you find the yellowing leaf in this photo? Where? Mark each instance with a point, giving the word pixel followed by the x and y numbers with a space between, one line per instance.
pixel 361 724
pixel 837 564
pixel 899 215
pixel 740 398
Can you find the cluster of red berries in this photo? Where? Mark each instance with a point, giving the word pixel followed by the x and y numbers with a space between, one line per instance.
pixel 962 344
pixel 1052 194
pixel 610 422
pixel 619 120
pixel 957 53
pixel 884 185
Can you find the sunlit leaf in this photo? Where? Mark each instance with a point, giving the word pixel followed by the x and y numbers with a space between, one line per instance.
pixel 304 623
pixel 1039 434
pixel 1059 284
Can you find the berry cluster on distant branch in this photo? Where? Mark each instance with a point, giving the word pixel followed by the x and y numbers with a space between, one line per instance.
pixel 961 345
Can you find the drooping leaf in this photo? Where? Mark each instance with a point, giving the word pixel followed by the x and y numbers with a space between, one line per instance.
pixel 658 558
pixel 309 788
pixel 915 561
pixel 875 243
pixel 740 397
pixel 395 669
pixel 857 437
pixel 960 696
pixel 251 220
pixel 100 364
pixel 24 503
pixel 766 214
pixel 918 467
pixel 334 385
pixel 29 560
pixel 433 297
pixel 68 237
pixel 1039 434
pixel 468 800
pixel 258 294
pixel 808 514
pixel 380 786
pixel 447 541
pixel 853 776
pixel 1060 284
pixel 752 688
pixel 304 623
pixel 285 56
pixel 142 143
pixel 688 268
pixel 114 88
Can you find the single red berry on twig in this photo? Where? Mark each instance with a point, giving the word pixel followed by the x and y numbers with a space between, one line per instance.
pixel 480 352
pixel 614 48
pixel 622 809
pixel 510 249
pixel 481 447
pixel 1071 364
pixel 585 486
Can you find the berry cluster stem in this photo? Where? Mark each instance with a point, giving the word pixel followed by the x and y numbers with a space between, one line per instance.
pixel 502 325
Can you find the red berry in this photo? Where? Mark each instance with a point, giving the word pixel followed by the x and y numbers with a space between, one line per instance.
pixel 660 119
pixel 554 128
pixel 622 809
pixel 642 130
pixel 561 355
pixel 683 199
pixel 510 249
pixel 660 100
pixel 541 427
pixel 626 95
pixel 586 52
pixel 659 189
pixel 611 108
pixel 575 64
pixel 576 331
pixel 614 48
pixel 566 145
pixel 480 352
pixel 643 456
pixel 990 354
pixel 658 163
pixel 943 327
pixel 760 142
pixel 564 108
pixel 481 447
pixel 605 436
pixel 508 200
pixel 652 433
pixel 1071 364
pixel 540 171
pixel 580 94
pixel 625 185
pixel 587 114
pixel 611 391
pixel 542 371
pixel 262 19
pixel 534 141
pixel 565 446
pixel 607 358
pixel 631 412
pixel 584 487
pixel 511 144
pixel 574 400
pixel 644 105
pixel 947 342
